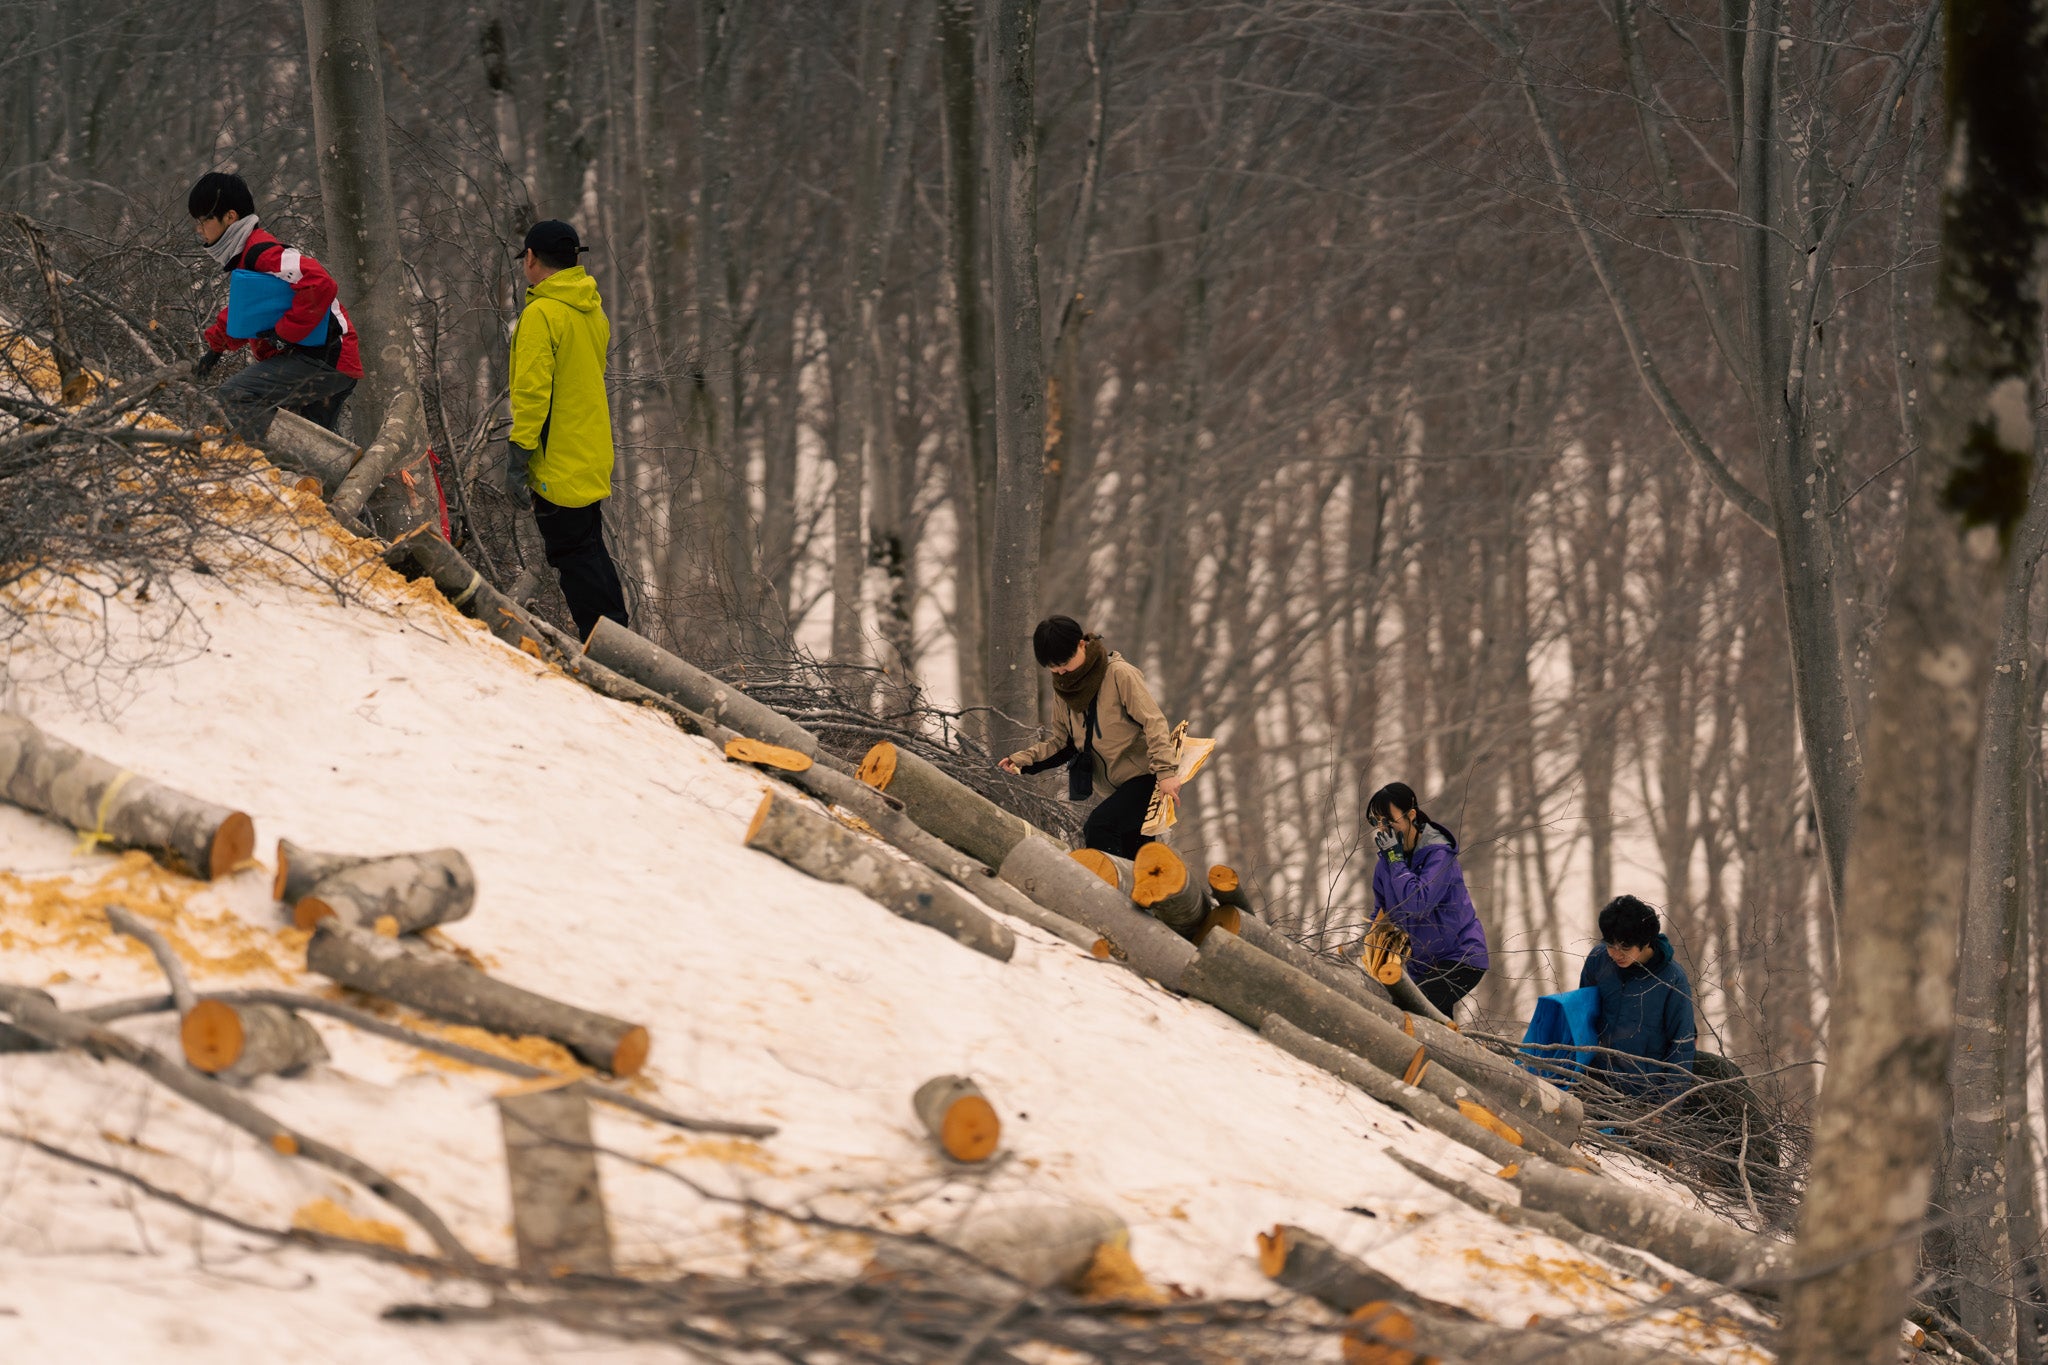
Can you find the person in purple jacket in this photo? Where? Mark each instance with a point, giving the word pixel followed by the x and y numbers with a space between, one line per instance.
pixel 1420 886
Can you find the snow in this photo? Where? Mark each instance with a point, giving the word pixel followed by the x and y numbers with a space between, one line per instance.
pixel 609 857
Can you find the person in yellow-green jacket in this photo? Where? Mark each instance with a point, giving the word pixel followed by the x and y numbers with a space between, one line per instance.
pixel 561 441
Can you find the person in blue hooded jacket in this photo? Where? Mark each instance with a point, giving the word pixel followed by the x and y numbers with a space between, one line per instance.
pixel 1419 885
pixel 1645 1004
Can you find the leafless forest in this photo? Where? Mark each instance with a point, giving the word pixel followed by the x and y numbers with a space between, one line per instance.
pixel 1516 400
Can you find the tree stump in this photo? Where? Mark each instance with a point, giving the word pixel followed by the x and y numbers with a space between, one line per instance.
pixel 408 972
pixel 414 890
pixel 1044 871
pixel 1164 887
pixel 241 1042
pixel 558 1215
pixel 300 869
pixel 952 810
pixel 1114 871
pixel 815 843
pixel 648 664
pixel 959 1118
pixel 107 803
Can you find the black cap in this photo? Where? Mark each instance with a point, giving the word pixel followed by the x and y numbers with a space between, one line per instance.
pixel 552 237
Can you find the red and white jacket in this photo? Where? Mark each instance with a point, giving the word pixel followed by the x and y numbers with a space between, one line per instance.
pixel 313 293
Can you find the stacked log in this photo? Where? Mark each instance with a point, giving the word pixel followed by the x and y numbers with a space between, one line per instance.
pixel 299 870
pixel 107 803
pixel 241 1042
pixel 304 447
pixel 1688 1238
pixel 1165 888
pixel 958 1117
pixel 1114 871
pixel 1228 888
pixel 950 809
pixel 648 664
pixel 1245 983
pixel 408 972
pixel 814 843
pixel 402 894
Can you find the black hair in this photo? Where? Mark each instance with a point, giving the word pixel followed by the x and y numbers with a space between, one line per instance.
pixel 1629 923
pixel 1400 796
pixel 219 192
pixel 1056 639
pixel 554 260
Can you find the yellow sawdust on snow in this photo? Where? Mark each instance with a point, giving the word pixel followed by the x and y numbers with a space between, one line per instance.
pixel 1112 1274
pixel 534 1051
pixel 726 1151
pixel 1595 1287
pixel 69 914
pixel 324 1215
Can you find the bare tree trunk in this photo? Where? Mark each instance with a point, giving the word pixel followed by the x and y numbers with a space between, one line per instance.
pixel 1881 1106
pixel 974 496
pixel 1019 366
pixel 363 251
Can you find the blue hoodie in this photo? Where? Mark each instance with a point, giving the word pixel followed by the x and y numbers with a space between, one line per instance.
pixel 1424 893
pixel 1646 1011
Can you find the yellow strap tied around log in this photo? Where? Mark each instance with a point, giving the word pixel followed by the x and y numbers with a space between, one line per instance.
pixel 90 839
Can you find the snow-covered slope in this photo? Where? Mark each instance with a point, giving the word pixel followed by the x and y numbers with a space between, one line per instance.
pixel 608 851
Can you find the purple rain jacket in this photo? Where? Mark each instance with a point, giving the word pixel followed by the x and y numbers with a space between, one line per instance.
pixel 1425 894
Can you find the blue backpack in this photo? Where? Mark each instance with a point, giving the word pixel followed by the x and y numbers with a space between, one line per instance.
pixel 256 301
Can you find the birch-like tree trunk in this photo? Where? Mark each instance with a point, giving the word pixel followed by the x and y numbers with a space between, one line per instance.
pixel 1012 36
pixel 1881 1106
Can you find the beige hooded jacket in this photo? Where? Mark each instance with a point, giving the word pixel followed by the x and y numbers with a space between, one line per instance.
pixel 1133 739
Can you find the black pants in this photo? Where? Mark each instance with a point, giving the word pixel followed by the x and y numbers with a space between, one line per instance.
pixel 1445 985
pixel 1113 825
pixel 574 537
pixel 297 382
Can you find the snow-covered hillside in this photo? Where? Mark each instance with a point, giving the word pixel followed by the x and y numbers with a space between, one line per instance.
pixel 608 851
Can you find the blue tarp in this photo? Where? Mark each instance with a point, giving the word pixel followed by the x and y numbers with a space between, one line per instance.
pixel 256 301
pixel 1561 1025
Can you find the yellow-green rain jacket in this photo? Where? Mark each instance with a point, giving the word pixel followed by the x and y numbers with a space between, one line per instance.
pixel 558 400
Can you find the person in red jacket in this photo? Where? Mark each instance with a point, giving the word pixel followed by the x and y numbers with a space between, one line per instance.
pixel 301 364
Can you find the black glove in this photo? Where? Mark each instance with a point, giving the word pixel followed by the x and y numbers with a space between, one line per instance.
pixel 516 460
pixel 209 360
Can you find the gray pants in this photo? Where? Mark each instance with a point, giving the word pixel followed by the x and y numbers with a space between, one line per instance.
pixel 304 385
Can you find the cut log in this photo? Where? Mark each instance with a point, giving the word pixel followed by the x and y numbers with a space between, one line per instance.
pixel 558 1217
pixel 1164 887
pixel 410 973
pixel 1247 984
pixel 1227 918
pixel 950 809
pixel 107 803
pixel 55 1028
pixel 1690 1239
pixel 1408 996
pixel 300 869
pixel 1346 978
pixel 467 591
pixel 304 447
pixel 1114 871
pixel 814 843
pixel 1228 888
pixel 959 1117
pixel 1041 1245
pixel 1426 1109
pixel 1393 1326
pixel 238 1043
pixel 1044 871
pixel 648 664
pixel 740 749
pixel 414 890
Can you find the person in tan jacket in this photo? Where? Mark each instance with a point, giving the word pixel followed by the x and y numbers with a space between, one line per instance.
pixel 1108 732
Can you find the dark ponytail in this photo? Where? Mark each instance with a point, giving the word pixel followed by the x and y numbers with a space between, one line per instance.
pixel 1400 796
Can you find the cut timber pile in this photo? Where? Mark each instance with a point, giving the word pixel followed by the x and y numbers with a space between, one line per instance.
pixel 1027 860
pixel 1114 871
pixel 814 843
pixel 959 1117
pixel 1247 984
pixel 402 894
pixel 648 664
pixel 558 1218
pixel 107 803
pixel 411 974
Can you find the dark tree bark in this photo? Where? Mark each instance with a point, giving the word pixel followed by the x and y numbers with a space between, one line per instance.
pixel 1881 1105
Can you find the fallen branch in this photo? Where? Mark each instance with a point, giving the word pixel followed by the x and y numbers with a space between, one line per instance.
pixel 61 1030
pixel 129 923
